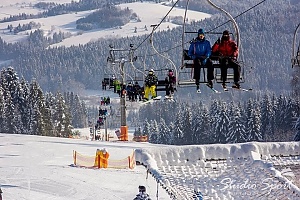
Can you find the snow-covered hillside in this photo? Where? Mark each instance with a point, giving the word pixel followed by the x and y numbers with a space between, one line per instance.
pixel 149 13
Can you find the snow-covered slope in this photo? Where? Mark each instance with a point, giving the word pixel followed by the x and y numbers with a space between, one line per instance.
pixel 35 167
pixel 148 12
pixel 39 168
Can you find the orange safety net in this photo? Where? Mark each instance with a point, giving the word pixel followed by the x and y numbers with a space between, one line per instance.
pixel 97 161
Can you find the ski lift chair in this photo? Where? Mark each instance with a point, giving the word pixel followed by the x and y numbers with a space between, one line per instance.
pixel 230 73
pixel 296 52
pixel 188 66
pixel 161 83
pixel 186 72
pixel 296 60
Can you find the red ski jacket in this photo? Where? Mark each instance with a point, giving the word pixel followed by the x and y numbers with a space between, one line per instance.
pixel 226 48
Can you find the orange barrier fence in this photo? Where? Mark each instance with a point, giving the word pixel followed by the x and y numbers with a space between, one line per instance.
pixel 140 138
pixel 96 161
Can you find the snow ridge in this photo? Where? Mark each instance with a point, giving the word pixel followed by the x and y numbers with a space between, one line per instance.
pixel 222 171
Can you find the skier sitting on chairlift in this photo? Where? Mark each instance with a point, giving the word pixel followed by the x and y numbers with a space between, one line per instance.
pixel 150 85
pixel 200 51
pixel 170 83
pixel 228 51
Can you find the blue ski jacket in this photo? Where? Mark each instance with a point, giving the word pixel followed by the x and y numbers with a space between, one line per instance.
pixel 199 48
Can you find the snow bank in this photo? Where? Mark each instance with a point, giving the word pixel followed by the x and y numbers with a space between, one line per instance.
pixel 208 166
pixel 180 155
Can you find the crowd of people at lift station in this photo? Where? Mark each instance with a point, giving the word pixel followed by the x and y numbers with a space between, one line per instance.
pixel 224 48
pixel 105 101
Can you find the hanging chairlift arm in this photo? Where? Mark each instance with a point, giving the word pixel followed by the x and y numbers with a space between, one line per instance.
pixel 231 19
pixel 296 55
pixel 151 41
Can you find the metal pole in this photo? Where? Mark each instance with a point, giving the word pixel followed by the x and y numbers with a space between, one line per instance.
pixel 231 19
pixel 105 126
pixel 124 128
pixel 123 96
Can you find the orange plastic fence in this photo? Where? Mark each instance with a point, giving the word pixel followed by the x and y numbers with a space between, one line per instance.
pixel 94 161
pixel 140 138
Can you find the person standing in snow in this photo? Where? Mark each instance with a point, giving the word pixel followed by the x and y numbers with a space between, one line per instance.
pixel 142 195
pixel 0 194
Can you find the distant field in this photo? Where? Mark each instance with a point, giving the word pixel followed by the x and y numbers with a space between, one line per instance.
pixel 149 13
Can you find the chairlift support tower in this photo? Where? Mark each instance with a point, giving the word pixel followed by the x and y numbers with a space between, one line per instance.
pixel 121 61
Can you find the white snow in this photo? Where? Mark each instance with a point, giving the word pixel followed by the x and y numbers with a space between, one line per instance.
pixel 226 171
pixel 150 13
pixel 36 167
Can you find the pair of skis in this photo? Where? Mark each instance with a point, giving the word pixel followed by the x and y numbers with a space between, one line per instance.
pixel 212 88
pixel 151 100
pixel 241 89
pixel 225 89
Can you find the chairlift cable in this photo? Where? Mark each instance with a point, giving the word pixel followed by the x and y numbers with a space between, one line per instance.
pixel 172 63
pixel 158 24
pixel 213 28
pixel 231 19
pixel 238 15
pixel 183 28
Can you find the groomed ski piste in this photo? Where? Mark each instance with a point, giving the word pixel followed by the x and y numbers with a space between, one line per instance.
pixel 36 167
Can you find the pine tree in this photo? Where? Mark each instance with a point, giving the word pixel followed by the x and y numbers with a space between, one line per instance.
pixel 146 128
pixel 154 133
pixel 1 109
pixel 253 125
pixel 297 127
pixel 197 127
pixel 24 107
pixel 222 125
pixel 236 132
pixel 205 129
pixel 37 105
pixel 187 126
pixel 178 129
pixel 9 83
pixel 61 117
pixel 164 135
pixel 267 117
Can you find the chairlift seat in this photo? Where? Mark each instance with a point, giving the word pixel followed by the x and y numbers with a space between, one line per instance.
pixel 106 81
pixel 161 85
pixel 188 63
